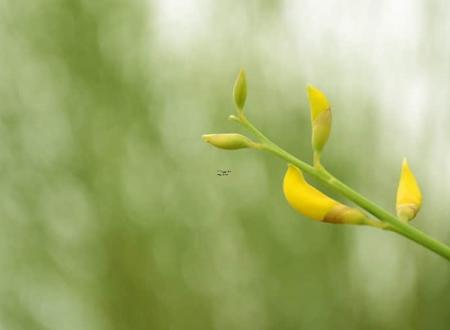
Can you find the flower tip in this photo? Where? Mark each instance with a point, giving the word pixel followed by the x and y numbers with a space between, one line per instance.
pixel 206 137
pixel 317 100
pixel 405 164
pixel 314 93
pixel 294 171
pixel 310 88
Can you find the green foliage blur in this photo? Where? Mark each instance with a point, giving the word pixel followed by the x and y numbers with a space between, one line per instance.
pixel 112 215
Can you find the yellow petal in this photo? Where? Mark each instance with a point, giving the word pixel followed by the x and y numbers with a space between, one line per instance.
pixel 305 198
pixel 409 197
pixel 317 102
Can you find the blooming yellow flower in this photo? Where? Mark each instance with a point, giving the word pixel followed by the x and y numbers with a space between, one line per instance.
pixel 409 197
pixel 320 118
pixel 314 204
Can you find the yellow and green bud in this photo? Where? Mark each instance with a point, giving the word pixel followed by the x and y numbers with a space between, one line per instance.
pixel 409 197
pixel 315 205
pixel 240 90
pixel 229 141
pixel 320 118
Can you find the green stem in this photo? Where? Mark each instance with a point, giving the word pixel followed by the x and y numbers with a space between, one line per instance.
pixel 394 223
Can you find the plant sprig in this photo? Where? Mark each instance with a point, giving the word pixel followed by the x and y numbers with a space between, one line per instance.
pixel 313 203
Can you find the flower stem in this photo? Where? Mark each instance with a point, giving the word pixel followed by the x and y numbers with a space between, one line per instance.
pixel 393 223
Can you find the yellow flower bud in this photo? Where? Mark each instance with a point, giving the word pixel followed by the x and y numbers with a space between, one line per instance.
pixel 320 118
pixel 229 141
pixel 409 197
pixel 313 204
pixel 240 90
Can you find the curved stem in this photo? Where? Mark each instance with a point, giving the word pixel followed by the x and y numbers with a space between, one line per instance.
pixel 394 223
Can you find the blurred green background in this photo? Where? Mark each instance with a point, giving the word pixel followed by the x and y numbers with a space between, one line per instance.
pixel 111 212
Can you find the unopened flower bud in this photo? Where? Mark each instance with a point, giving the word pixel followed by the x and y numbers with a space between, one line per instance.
pixel 313 204
pixel 409 197
pixel 240 90
pixel 229 141
pixel 320 118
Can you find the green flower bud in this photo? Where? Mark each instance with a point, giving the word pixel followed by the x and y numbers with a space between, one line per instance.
pixel 240 90
pixel 230 141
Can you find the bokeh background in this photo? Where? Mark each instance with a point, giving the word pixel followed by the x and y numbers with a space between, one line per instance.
pixel 112 215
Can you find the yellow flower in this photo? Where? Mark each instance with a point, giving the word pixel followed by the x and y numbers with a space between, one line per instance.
pixel 314 204
pixel 409 197
pixel 320 117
